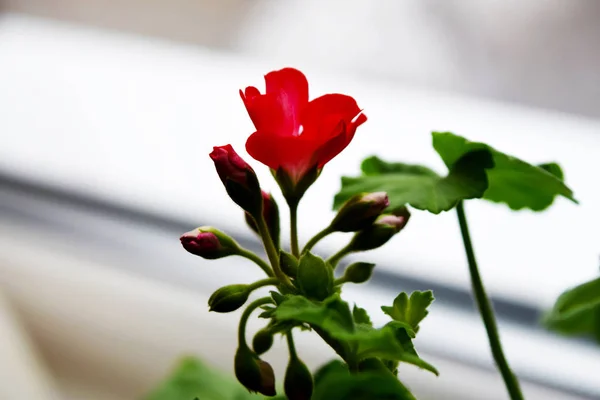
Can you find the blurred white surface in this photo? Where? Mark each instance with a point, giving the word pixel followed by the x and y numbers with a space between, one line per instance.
pixel 23 374
pixel 131 121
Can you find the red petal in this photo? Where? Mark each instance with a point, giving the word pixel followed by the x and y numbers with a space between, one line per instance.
pixel 291 89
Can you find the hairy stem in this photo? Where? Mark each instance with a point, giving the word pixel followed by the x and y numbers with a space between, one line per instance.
pixel 315 239
pixel 272 252
pixel 246 314
pixel 486 311
pixel 294 228
pixel 257 260
pixel 335 259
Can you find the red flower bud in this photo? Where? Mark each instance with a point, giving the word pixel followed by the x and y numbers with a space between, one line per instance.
pixel 270 214
pixel 382 230
pixel 209 243
pixel 360 211
pixel 238 177
pixel 294 136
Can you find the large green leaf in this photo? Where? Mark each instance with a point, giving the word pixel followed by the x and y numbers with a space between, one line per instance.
pixel 335 318
pixel 335 382
pixel 410 310
pixel 193 379
pixel 512 181
pixel 577 311
pixel 419 186
pixel 476 171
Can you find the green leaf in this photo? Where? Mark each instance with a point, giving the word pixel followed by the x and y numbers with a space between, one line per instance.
pixel 192 378
pixel 314 277
pixel 577 311
pixel 419 186
pixel 410 310
pixel 361 316
pixel 335 382
pixel 512 181
pixel 334 317
pixel 384 343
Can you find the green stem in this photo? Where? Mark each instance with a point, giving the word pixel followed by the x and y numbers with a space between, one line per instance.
pixel 335 259
pixel 291 345
pixel 272 252
pixel 316 239
pixel 486 311
pixel 246 314
pixel 257 260
pixel 339 281
pixel 263 282
pixel 294 228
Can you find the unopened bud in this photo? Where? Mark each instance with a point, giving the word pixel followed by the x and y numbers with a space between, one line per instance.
pixel 252 372
pixel 270 212
pixel 239 179
pixel 360 211
pixel 228 298
pixel 288 263
pixel 209 243
pixel 378 234
pixel 315 277
pixel 358 272
pixel 298 383
pixel 262 341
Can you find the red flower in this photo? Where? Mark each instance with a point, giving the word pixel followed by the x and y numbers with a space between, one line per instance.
pixel 292 133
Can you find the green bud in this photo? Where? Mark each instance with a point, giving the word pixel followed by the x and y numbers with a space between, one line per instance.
pixel 288 263
pixel 252 372
pixel 209 243
pixel 298 383
pixel 358 272
pixel 262 341
pixel 228 298
pixel 378 234
pixel 360 211
pixel 294 187
pixel 315 277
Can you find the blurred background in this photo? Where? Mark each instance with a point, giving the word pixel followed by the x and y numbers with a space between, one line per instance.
pixel 109 108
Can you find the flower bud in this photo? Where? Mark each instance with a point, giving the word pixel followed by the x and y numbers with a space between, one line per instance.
pixel 252 372
pixel 239 179
pixel 288 264
pixel 228 298
pixel 298 383
pixel 209 243
pixel 315 277
pixel 358 272
pixel 262 341
pixel 360 211
pixel 270 212
pixel 376 235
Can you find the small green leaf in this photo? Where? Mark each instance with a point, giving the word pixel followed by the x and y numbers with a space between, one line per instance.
pixel 419 186
pixel 410 310
pixel 192 378
pixel 336 383
pixel 360 316
pixel 384 343
pixel 512 181
pixel 315 277
pixel 577 311
pixel 334 317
